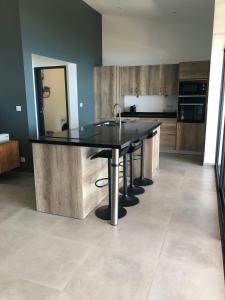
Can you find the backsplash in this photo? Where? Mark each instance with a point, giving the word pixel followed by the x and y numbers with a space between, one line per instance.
pixel 151 103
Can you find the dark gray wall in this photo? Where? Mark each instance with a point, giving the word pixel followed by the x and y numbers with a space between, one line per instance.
pixel 12 85
pixel 67 30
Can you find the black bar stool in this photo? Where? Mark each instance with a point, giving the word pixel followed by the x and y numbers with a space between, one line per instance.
pixel 104 212
pixel 132 189
pixel 126 200
pixel 142 181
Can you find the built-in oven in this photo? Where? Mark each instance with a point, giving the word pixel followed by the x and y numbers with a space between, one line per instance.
pixel 191 109
pixel 193 88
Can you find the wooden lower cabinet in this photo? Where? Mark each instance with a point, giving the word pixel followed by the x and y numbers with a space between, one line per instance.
pixel 190 137
pixel 9 156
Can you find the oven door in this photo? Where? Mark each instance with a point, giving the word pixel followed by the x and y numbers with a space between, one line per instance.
pixel 191 112
pixel 192 88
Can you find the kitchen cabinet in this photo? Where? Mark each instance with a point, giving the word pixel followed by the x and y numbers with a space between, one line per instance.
pixel 129 81
pixel 190 137
pixel 168 78
pixel 106 91
pixel 149 80
pixel 9 156
pixel 194 70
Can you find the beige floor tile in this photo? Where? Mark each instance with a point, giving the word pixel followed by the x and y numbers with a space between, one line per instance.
pixel 12 240
pixel 178 281
pixel 18 289
pixel 31 220
pixel 110 276
pixel 46 261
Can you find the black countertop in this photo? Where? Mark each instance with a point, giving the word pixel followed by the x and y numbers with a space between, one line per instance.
pixel 149 114
pixel 100 136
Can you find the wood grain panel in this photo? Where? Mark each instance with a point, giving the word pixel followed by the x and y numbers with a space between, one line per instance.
pixel 129 81
pixel 64 180
pixel 9 156
pixel 149 80
pixel 106 91
pixel 169 79
pixel 190 137
pixel 194 70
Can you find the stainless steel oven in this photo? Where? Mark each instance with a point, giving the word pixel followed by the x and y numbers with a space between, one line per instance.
pixel 191 109
pixel 193 88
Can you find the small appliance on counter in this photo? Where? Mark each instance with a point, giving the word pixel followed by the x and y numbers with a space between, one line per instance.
pixel 133 109
pixel 4 138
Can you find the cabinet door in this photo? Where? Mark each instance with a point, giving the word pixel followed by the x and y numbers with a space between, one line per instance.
pixel 194 70
pixel 149 80
pixel 9 156
pixel 106 90
pixel 169 79
pixel 129 81
pixel 190 136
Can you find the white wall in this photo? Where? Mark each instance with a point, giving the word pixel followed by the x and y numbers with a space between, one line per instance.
pixel 71 70
pixel 140 41
pixel 55 111
pixel 218 46
pixel 151 103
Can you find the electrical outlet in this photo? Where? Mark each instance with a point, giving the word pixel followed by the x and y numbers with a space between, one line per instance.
pixel 22 159
pixel 18 108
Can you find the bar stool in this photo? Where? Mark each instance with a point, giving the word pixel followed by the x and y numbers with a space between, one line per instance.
pixel 104 212
pixel 141 181
pixel 132 189
pixel 126 200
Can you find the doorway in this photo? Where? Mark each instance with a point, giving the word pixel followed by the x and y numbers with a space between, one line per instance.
pixel 52 99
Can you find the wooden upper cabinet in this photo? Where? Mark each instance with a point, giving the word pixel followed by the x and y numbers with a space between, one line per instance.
pixel 129 81
pixel 194 70
pixel 106 91
pixel 168 79
pixel 149 80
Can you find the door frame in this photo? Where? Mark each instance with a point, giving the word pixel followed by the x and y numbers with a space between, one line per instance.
pixel 39 97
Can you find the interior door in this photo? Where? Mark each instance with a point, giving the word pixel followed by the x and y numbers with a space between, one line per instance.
pixel 40 101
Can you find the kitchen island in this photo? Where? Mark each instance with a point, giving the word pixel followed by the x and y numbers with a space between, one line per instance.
pixel 64 174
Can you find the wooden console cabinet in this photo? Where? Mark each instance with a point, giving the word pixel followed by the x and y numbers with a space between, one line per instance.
pixel 9 156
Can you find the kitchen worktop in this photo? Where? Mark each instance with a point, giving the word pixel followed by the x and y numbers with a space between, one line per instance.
pixel 149 114
pixel 95 135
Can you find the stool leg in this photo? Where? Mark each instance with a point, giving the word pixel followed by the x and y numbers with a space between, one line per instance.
pixel 104 212
pixel 133 189
pixel 125 200
pixel 141 181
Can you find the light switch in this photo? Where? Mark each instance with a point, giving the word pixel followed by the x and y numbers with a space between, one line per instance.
pixel 18 108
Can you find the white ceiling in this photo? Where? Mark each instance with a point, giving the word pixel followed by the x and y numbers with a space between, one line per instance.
pixel 200 11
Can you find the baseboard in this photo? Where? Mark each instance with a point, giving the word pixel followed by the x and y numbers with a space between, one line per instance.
pixel 180 152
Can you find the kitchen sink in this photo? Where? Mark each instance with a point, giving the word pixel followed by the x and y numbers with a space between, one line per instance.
pixel 109 124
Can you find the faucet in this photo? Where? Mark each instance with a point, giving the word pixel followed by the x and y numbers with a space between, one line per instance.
pixel 117 111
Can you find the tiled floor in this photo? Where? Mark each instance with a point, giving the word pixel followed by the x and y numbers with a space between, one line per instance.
pixel 167 247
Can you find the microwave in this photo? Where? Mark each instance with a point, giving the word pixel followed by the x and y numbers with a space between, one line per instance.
pixel 193 88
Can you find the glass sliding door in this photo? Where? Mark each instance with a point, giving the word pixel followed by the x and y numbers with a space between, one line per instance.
pixel 220 154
